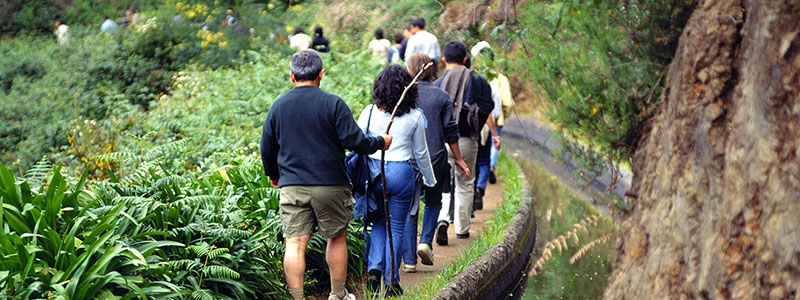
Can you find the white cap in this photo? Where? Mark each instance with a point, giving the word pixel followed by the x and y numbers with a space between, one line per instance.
pixel 478 47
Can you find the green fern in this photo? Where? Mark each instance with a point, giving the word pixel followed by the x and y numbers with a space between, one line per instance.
pixel 215 271
pixel 214 253
pixel 202 295
pixel 37 173
pixel 183 264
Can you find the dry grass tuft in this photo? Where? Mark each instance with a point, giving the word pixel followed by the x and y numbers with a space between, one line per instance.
pixel 601 240
pixel 560 242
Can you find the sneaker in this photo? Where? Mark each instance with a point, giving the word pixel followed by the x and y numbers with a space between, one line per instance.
pixel 492 177
pixel 441 233
pixel 425 254
pixel 462 236
pixel 394 291
pixel 409 268
pixel 374 280
pixel 477 202
pixel 347 296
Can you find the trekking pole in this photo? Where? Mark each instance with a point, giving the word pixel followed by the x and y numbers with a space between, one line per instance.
pixel 383 175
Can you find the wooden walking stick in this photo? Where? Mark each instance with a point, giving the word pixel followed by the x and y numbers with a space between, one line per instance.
pixel 383 175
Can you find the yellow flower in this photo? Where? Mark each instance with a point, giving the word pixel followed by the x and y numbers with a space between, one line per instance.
pixel 191 14
pixel 594 110
pixel 223 44
pixel 289 28
pixel 270 6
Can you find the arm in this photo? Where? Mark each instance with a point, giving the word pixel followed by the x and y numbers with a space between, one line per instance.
pixel 493 130
pixel 420 146
pixel 269 152
pixel 459 159
pixel 351 135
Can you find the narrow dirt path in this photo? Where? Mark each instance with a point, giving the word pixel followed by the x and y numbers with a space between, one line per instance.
pixel 444 255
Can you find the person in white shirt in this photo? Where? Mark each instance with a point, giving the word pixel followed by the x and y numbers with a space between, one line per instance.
pixel 61 32
pixel 408 142
pixel 300 40
pixel 379 45
pixel 424 42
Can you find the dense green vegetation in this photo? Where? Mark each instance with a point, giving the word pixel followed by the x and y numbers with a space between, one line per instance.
pixel 600 66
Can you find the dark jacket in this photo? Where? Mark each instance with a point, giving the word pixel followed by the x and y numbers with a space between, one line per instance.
pixel 304 137
pixel 477 91
pixel 320 44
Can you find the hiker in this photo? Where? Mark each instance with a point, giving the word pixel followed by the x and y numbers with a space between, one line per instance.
pixel 137 17
pixel 379 45
pixel 61 32
pixel 503 103
pixel 300 40
pixel 127 19
pixel 473 103
pixel 404 43
pixel 442 131
pixel 408 132
pixel 424 42
pixel 305 159
pixel 229 19
pixel 320 43
pixel 108 26
pixel 393 54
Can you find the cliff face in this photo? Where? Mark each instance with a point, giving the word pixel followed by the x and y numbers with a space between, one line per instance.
pixel 718 169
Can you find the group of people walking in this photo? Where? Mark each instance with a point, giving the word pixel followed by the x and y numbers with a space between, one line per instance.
pixel 431 151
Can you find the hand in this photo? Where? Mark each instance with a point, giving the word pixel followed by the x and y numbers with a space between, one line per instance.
pixel 463 166
pixel 387 139
pixel 496 142
pixel 274 182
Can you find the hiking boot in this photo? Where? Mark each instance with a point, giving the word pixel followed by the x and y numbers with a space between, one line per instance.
pixel 441 233
pixel 477 202
pixel 347 296
pixel 409 268
pixel 394 291
pixel 425 254
pixel 374 280
pixel 462 235
pixel 492 177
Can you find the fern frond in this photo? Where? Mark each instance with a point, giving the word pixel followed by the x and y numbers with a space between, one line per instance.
pixel 175 147
pixel 216 252
pixel 198 250
pixel 183 264
pixel 229 233
pixel 39 170
pixel 171 180
pixel 201 295
pixel 192 228
pixel 215 271
pixel 118 157
pixel 193 201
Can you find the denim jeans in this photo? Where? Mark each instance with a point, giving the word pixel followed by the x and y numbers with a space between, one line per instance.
pixel 487 156
pixel 493 155
pixel 400 185
pixel 430 215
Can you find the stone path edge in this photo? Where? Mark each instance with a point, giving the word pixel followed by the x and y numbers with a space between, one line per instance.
pixel 501 272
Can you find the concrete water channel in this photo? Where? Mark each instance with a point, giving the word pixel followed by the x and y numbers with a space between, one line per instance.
pixel 529 140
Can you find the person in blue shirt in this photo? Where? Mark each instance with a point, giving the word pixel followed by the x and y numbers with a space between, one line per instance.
pixel 109 26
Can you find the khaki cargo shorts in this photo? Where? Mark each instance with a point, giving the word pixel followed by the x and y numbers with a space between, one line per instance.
pixel 304 207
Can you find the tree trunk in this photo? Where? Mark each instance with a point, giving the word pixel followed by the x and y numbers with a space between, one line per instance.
pixel 718 168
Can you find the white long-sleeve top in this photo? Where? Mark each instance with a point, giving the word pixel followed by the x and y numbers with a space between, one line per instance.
pixel 408 138
pixel 424 42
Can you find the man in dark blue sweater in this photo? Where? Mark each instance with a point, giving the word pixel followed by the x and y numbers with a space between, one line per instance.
pixel 302 150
